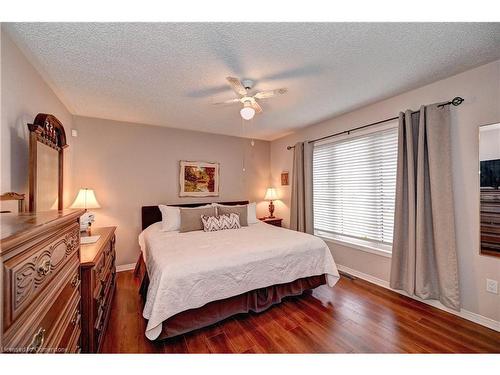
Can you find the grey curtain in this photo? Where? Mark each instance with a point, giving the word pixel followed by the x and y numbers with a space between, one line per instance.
pixel 301 212
pixel 424 259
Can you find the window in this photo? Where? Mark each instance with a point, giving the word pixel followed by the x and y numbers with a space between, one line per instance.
pixel 354 185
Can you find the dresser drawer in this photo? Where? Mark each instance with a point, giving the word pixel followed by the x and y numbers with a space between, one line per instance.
pixel 103 300
pixel 110 247
pixel 103 308
pixel 72 328
pixel 102 270
pixel 41 331
pixel 29 273
pixel 75 342
pixel 99 273
pixel 110 261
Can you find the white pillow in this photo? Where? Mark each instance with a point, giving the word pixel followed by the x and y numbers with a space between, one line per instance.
pixel 170 218
pixel 252 213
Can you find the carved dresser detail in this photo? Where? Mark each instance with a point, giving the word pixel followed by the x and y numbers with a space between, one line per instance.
pixel 98 286
pixel 40 296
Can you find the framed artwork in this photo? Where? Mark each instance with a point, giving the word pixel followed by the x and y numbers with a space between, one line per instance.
pixel 199 179
pixel 284 178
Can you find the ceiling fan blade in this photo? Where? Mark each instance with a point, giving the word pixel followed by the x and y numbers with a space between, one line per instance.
pixel 270 93
pixel 236 86
pixel 256 106
pixel 230 101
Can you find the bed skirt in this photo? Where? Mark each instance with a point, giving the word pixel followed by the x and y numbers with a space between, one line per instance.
pixel 255 300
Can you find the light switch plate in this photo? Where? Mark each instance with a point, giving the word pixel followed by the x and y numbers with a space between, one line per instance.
pixel 492 286
pixel 74 133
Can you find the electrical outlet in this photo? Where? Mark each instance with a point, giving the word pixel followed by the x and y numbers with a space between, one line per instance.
pixel 492 286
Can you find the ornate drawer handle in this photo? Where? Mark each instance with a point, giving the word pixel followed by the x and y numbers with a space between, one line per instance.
pixel 99 320
pixel 76 318
pixel 45 268
pixel 103 275
pixel 37 341
pixel 109 249
pixel 76 281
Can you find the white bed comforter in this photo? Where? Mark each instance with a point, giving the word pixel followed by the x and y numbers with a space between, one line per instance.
pixel 188 270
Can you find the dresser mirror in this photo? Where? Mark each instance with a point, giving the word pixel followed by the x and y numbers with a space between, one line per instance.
pixel 489 182
pixel 46 163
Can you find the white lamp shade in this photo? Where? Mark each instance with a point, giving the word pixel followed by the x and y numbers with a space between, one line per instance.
pixel 271 194
pixel 85 199
pixel 247 112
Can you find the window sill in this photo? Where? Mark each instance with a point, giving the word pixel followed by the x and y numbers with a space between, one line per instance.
pixel 373 249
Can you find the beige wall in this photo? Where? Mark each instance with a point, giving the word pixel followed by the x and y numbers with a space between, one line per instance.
pixel 23 95
pixel 481 89
pixel 132 165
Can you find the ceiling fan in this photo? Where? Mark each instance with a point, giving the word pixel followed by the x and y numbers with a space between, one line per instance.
pixel 250 104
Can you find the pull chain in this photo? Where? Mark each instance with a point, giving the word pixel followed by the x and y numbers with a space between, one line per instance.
pixel 252 142
pixel 244 148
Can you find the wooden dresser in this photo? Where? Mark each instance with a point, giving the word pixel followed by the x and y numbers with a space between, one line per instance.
pixel 40 297
pixel 98 286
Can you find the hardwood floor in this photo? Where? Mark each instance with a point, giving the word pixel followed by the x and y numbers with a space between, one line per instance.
pixel 353 317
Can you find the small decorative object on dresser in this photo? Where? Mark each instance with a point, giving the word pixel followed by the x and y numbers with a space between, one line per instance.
pixel 271 196
pixel 97 265
pixel 199 179
pixel 271 220
pixel 86 199
pixel 40 309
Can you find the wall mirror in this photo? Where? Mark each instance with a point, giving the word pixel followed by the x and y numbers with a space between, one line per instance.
pixel 489 177
pixel 46 163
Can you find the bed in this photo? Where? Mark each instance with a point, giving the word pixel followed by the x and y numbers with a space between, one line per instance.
pixel 195 279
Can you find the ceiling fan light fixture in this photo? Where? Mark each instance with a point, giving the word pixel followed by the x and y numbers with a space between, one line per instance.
pixel 247 112
pixel 250 102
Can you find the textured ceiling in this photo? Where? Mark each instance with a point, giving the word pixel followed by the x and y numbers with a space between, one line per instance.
pixel 168 74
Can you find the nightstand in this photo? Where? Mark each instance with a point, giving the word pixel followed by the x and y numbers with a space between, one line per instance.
pixel 273 221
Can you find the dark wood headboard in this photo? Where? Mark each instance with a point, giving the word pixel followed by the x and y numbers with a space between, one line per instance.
pixel 152 214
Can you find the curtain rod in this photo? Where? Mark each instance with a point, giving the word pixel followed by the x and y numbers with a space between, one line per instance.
pixel 456 101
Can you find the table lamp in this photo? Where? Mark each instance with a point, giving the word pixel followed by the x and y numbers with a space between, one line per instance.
pixel 86 199
pixel 271 195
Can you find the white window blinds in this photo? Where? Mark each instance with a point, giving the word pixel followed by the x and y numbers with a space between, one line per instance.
pixel 354 182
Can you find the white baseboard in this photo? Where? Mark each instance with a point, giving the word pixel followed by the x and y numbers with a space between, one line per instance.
pixel 469 315
pixel 125 267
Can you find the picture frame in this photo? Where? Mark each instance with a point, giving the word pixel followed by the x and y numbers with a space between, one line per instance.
pixel 284 179
pixel 199 179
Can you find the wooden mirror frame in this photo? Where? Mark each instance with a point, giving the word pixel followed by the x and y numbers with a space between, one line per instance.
pixel 489 203
pixel 46 129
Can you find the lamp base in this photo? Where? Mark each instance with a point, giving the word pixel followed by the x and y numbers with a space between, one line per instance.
pixel 271 210
pixel 86 221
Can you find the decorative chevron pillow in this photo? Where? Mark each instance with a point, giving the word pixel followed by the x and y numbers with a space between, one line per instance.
pixel 221 222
